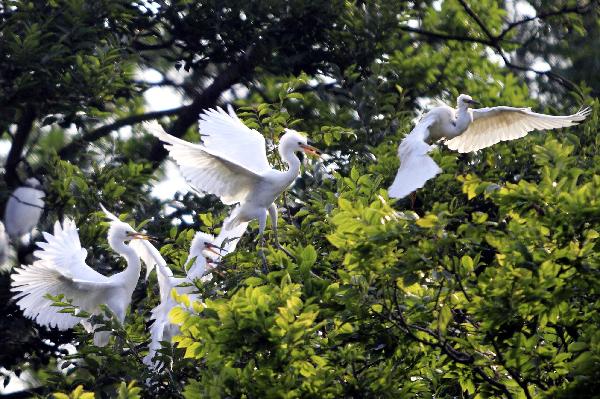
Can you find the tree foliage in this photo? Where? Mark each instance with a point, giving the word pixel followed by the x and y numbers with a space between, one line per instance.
pixel 486 285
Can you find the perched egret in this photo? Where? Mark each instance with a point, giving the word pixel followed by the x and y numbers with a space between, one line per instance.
pixel 3 245
pixel 232 164
pixel 61 269
pixel 24 208
pixel 465 130
pixel 202 252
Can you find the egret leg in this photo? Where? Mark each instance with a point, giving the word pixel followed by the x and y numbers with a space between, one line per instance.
pixel 262 223
pixel 273 216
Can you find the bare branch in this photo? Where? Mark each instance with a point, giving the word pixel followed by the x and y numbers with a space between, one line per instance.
pixel 208 98
pixel 544 15
pixel 495 43
pixel 70 151
pixel 16 149
pixel 445 36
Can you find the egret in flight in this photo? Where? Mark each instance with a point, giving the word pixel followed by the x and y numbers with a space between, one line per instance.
pixel 203 251
pixel 465 130
pixel 24 208
pixel 61 270
pixel 232 163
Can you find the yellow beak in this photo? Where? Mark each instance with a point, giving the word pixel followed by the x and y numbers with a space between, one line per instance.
pixel 212 248
pixel 310 150
pixel 142 236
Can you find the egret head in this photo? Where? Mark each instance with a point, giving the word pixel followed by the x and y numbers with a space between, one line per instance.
pixel 465 100
pixel 292 141
pixel 122 232
pixel 202 244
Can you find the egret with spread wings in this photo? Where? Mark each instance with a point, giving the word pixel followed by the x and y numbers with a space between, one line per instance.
pixel 61 270
pixel 465 130
pixel 232 164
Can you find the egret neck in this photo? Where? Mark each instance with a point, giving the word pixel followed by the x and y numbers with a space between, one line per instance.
pixel 286 151
pixel 131 273
pixel 462 121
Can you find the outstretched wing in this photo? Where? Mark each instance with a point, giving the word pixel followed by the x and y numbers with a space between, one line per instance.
pixel 416 166
pixel 226 134
pixel 208 170
pixel 63 252
pixel 61 269
pixel 492 125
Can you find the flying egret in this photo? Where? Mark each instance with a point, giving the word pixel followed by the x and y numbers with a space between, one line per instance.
pixel 61 269
pixel 465 130
pixel 232 164
pixel 202 252
pixel 24 208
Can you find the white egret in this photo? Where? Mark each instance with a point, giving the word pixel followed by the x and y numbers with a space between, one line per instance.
pixel 24 208
pixel 202 252
pixel 61 269
pixel 232 164
pixel 465 130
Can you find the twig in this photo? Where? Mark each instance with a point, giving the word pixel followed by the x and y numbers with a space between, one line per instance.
pixel 16 149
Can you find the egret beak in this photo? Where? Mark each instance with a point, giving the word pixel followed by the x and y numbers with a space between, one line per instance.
pixel 473 102
pixel 142 236
pixel 310 150
pixel 212 248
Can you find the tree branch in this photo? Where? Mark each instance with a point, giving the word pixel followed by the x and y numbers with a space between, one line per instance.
pixel 542 16
pixel 495 43
pixel 445 36
pixel 16 149
pixel 512 372
pixel 69 151
pixel 208 98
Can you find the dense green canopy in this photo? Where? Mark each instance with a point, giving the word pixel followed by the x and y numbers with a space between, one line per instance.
pixel 487 285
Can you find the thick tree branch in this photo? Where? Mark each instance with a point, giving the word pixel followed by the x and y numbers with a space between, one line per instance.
pixel 208 98
pixel 70 151
pixel 16 149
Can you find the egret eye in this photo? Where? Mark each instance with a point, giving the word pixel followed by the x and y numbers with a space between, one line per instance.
pixel 299 143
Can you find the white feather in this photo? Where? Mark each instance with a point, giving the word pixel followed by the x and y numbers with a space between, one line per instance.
pixel 492 125
pixel 416 166
pixel 207 169
pixel 61 270
pixel 226 134
pixel 465 130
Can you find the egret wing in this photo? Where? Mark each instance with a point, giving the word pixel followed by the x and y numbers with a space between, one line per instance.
pixel 207 170
pixel 63 251
pixel 492 125
pixel 416 166
pixel 61 269
pixel 226 134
